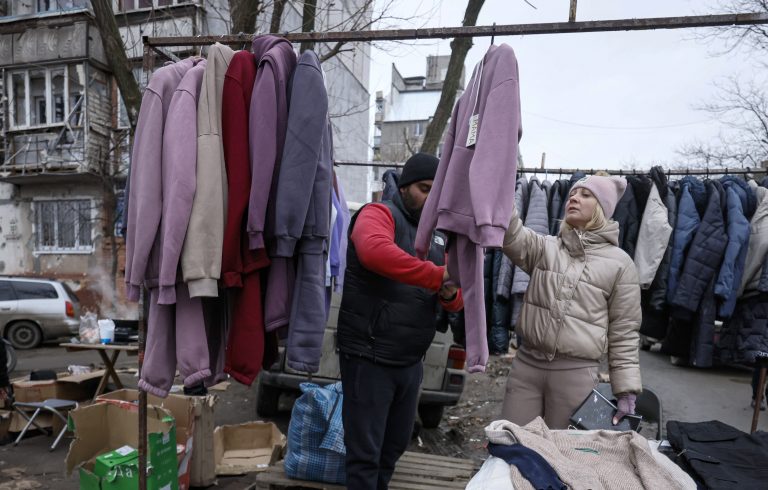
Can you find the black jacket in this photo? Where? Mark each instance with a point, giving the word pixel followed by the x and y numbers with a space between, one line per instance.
pixel 746 333
pixel 657 300
pixel 720 456
pixel 628 218
pixel 3 366
pixel 382 320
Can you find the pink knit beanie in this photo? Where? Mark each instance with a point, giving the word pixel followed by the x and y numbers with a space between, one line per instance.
pixel 607 190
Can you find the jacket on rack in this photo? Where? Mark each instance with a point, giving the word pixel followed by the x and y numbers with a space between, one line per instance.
pixel 628 218
pixel 585 299
pixel 763 284
pixel 267 121
pixel 690 207
pixel 522 197
pixel 471 196
pixel 653 238
pixel 704 256
pixel 745 334
pixel 657 294
pixel 142 261
pixel 303 210
pixel 740 202
pixel 390 179
pixel 641 187
pixel 756 262
pixel 499 308
pixel 201 253
pixel 241 266
pixel 178 177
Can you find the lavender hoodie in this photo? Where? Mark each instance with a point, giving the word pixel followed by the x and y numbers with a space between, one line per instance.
pixel 146 193
pixel 471 193
pixel 267 121
pixel 179 178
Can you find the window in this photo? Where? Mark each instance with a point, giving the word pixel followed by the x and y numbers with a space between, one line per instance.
pixel 63 226
pixel 45 96
pixel 34 290
pixel 58 5
pixel 417 131
pixel 6 291
pixel 127 5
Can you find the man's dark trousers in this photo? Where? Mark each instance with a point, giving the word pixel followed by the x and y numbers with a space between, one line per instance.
pixel 378 411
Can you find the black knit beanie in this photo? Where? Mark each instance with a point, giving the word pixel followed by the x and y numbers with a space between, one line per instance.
pixel 421 166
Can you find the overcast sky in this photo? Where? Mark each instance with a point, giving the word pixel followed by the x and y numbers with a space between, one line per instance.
pixel 597 100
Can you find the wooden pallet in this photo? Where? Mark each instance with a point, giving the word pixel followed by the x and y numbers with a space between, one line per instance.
pixel 414 471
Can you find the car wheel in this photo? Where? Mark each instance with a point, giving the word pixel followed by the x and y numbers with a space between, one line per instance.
pixel 430 415
pixel 24 335
pixel 267 398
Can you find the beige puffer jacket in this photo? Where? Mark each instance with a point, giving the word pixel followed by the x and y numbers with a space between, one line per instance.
pixel 583 298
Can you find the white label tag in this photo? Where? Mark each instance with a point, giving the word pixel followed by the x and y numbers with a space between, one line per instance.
pixel 124 451
pixel 472 134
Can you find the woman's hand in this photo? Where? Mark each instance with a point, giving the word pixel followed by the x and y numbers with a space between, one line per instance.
pixel 626 406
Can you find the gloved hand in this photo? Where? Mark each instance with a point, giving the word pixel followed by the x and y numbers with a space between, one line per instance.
pixel 626 406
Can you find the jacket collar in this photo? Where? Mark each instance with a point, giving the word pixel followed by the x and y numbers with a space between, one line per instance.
pixel 578 242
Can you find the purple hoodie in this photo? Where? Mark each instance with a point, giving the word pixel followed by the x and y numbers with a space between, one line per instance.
pixel 179 177
pixel 146 194
pixel 473 193
pixel 268 120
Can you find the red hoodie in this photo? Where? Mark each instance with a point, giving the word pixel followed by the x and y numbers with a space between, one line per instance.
pixel 237 259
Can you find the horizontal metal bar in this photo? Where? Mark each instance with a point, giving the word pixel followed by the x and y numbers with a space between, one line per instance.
pixel 479 31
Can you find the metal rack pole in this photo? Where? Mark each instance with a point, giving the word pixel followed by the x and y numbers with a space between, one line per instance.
pixel 641 24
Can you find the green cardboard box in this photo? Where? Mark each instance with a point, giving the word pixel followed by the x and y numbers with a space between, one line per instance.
pixel 103 449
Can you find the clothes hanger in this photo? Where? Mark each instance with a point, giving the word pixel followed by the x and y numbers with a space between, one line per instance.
pixel 493 35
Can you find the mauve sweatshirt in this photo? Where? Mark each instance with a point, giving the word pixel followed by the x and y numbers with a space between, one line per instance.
pixel 473 193
pixel 142 261
pixel 267 119
pixel 179 178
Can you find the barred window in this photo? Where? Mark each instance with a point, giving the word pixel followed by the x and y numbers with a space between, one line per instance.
pixel 63 226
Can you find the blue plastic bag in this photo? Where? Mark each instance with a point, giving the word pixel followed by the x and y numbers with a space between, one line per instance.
pixel 316 449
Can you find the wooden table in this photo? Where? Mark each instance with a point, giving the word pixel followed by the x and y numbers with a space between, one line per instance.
pixel 109 360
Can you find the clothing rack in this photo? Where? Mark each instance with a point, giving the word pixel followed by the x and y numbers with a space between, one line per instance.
pixel 153 46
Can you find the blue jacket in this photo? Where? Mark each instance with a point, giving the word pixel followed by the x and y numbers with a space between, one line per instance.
pixel 704 256
pixel 692 195
pixel 741 204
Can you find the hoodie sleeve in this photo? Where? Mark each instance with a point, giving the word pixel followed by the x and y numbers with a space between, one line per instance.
pixel 301 155
pixel 493 168
pixel 428 220
pixel 263 140
pixel 180 161
pixel 146 193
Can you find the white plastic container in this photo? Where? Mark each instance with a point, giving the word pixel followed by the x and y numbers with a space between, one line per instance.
pixel 106 331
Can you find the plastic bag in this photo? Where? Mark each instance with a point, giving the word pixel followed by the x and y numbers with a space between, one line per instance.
pixel 89 329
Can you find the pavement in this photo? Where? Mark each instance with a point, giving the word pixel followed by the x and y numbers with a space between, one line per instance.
pixel 687 394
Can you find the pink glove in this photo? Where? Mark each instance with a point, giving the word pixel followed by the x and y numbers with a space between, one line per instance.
pixel 626 406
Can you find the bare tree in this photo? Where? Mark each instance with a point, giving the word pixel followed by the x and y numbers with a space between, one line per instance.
pixel 244 14
pixel 117 59
pixel 278 7
pixel 741 107
pixel 459 49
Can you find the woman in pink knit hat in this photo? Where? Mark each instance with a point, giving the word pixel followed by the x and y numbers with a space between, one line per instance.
pixel 582 302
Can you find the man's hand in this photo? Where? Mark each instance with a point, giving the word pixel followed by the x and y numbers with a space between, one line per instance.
pixel 445 275
pixel 448 292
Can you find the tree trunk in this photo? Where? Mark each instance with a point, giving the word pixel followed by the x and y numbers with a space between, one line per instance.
pixel 117 59
pixel 459 49
pixel 244 13
pixel 277 15
pixel 308 22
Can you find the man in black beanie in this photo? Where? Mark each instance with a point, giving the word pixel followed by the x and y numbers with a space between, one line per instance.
pixel 387 323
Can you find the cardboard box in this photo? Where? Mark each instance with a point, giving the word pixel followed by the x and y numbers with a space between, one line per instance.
pixel 5 423
pixel 77 387
pixel 246 448
pixel 194 430
pixel 105 427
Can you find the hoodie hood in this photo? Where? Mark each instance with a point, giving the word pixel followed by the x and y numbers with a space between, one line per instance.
pixel 261 45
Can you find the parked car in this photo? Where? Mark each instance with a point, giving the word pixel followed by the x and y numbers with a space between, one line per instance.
pixel 10 355
pixel 441 386
pixel 35 310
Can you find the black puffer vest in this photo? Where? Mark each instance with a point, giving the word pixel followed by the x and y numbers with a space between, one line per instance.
pixel 382 320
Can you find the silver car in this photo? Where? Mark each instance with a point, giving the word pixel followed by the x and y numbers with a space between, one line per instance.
pixel 35 310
